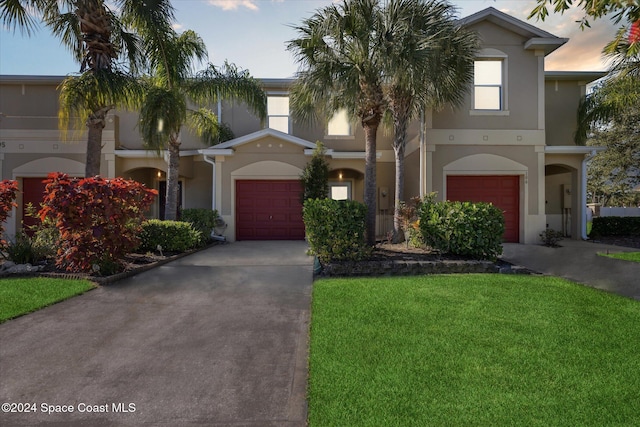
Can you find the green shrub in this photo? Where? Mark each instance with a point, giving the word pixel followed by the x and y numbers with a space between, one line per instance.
pixel 172 236
pixel 203 220
pixel 315 175
pixel 21 250
pixel 615 226
pixel 551 237
pixel 462 228
pixel 336 229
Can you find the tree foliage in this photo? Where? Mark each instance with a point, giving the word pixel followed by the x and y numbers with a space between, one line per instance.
pixel 99 219
pixel 315 175
pixel 339 51
pixel 610 117
pixel 8 192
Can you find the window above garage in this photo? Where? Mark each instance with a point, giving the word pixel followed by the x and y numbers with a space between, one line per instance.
pixel 278 112
pixel 490 87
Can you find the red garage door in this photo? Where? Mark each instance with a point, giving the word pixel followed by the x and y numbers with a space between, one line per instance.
pixel 269 210
pixel 32 192
pixel 501 191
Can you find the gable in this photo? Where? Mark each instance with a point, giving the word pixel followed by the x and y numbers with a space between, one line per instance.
pixel 531 37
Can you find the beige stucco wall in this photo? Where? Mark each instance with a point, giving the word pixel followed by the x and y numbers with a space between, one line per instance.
pixel 521 90
pixel 561 107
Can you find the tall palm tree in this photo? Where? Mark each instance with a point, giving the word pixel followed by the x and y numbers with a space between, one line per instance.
pixel 428 63
pixel 338 49
pixel 98 39
pixel 172 86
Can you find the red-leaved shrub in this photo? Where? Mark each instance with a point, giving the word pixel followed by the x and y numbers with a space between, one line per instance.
pixel 8 191
pixel 99 219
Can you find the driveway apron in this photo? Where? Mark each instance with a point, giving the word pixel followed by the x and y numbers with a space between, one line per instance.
pixel 579 261
pixel 219 337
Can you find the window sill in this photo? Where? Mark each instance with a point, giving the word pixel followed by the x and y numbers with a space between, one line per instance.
pixel 339 137
pixel 488 112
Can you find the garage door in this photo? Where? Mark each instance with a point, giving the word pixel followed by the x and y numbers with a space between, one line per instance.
pixel 269 210
pixel 32 192
pixel 501 191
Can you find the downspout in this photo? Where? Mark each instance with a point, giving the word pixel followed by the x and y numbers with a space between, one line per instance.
pixel 583 208
pixel 423 173
pixel 213 181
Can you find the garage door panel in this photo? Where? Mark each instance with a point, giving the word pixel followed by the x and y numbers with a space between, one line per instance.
pixel 502 191
pixel 269 210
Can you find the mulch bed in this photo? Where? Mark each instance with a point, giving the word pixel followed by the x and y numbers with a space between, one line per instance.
pixel 626 241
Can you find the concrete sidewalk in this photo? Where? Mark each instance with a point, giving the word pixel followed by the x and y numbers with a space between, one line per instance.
pixel 578 261
pixel 216 338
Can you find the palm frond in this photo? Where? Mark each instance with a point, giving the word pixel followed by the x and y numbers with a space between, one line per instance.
pixel 205 124
pixel 228 83
pixel 21 14
pixel 162 115
pixel 66 27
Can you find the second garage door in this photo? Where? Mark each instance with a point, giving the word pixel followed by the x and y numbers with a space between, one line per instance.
pixel 269 210
pixel 501 191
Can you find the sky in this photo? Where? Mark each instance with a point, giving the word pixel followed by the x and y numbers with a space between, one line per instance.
pixel 253 35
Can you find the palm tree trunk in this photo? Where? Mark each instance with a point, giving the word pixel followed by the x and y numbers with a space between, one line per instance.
pixel 400 123
pixel 399 193
pixel 370 188
pixel 95 125
pixel 171 205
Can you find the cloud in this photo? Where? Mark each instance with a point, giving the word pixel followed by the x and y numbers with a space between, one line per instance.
pixel 234 4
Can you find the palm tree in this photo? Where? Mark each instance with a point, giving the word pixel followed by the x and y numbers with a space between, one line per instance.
pixel 338 49
pixel 97 37
pixel 428 63
pixel 172 86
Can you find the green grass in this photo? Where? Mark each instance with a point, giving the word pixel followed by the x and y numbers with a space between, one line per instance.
pixel 472 350
pixel 19 296
pixel 627 256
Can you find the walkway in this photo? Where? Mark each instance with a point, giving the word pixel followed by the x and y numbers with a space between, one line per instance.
pixel 216 338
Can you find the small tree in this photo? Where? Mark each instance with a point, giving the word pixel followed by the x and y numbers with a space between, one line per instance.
pixel 8 191
pixel 315 176
pixel 99 219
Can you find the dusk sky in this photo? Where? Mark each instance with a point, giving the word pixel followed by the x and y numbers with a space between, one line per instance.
pixel 253 35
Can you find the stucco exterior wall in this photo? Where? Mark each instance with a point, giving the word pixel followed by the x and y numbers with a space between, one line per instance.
pixel 562 100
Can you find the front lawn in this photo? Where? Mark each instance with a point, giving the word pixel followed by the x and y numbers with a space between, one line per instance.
pixel 472 350
pixel 627 256
pixel 23 295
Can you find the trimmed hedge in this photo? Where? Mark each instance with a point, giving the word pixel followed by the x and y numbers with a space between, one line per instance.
pixel 615 226
pixel 336 229
pixel 172 236
pixel 203 220
pixel 462 228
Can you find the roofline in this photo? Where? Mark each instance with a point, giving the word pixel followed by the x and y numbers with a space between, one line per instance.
pixel 491 11
pixel 583 76
pixel 245 139
pixel 538 39
pixel 572 149
pixel 33 79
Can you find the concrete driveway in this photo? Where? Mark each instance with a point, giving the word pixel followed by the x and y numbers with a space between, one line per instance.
pixel 218 338
pixel 579 261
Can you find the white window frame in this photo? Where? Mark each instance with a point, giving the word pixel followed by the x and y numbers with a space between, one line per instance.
pixel 349 135
pixel 489 54
pixel 347 184
pixel 287 116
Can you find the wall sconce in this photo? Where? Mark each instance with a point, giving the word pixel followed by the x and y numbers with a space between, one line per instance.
pixel 159 174
pixel 340 175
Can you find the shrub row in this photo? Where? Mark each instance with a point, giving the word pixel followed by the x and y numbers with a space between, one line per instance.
pixel 203 220
pixel 462 228
pixel 336 229
pixel 170 236
pixel 615 226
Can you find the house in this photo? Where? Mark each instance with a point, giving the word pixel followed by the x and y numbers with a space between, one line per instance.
pixel 510 143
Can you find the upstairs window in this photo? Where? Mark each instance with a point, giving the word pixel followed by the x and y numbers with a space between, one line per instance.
pixel 278 113
pixel 339 125
pixel 488 82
